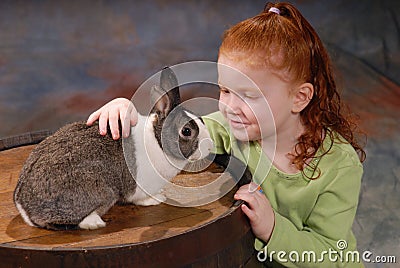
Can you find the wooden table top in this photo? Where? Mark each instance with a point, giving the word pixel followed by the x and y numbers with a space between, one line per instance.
pixel 128 224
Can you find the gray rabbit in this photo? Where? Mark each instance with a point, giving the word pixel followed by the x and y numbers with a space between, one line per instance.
pixel 76 175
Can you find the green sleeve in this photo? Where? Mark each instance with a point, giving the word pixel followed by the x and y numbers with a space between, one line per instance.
pixel 330 221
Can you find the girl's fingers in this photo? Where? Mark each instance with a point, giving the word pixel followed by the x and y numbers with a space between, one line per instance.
pixel 249 213
pixel 249 188
pixel 134 115
pixel 93 117
pixel 103 121
pixel 110 114
pixel 128 119
pixel 250 198
pixel 126 127
pixel 113 121
pixel 243 189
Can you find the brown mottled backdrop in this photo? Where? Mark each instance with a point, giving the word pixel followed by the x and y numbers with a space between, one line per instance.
pixel 60 60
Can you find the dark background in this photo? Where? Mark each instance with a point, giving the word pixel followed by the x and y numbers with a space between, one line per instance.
pixel 61 60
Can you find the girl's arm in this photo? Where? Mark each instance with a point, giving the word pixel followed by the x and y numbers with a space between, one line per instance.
pixel 326 238
pixel 113 112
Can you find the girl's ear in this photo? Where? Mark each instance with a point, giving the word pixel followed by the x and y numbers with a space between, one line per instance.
pixel 302 97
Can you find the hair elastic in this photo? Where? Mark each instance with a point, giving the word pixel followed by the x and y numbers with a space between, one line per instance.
pixel 275 10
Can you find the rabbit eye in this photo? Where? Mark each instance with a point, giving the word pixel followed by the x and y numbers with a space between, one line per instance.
pixel 187 132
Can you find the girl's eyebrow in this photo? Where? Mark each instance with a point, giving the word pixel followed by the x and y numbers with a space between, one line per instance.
pixel 230 88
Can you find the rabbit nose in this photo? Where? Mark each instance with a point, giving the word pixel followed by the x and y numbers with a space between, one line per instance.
pixel 205 146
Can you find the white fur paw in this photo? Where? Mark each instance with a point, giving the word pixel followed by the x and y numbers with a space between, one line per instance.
pixel 91 222
pixel 152 201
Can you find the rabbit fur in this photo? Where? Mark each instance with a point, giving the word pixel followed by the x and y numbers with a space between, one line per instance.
pixel 76 175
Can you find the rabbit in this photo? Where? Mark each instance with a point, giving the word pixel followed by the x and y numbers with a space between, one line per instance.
pixel 76 175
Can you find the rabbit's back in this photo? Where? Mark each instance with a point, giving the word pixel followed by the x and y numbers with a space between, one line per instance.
pixel 70 173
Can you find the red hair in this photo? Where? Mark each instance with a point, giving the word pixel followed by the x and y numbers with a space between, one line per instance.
pixel 287 43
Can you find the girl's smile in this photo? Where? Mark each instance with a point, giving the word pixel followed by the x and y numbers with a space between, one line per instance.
pixel 238 124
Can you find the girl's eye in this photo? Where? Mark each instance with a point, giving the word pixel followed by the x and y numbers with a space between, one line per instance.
pixel 187 132
pixel 250 96
pixel 224 91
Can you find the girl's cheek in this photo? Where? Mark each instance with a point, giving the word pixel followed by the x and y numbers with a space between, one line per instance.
pixel 251 113
pixel 262 112
pixel 221 106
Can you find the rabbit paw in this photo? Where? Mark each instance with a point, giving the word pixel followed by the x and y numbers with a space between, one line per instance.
pixel 152 201
pixel 92 221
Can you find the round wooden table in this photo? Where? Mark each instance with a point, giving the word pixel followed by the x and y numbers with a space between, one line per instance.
pixel 213 235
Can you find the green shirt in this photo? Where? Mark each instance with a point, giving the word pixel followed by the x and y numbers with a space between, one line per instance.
pixel 312 216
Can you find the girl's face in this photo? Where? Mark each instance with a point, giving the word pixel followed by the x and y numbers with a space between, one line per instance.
pixel 256 102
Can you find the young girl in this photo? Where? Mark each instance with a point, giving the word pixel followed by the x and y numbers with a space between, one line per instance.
pixel 304 213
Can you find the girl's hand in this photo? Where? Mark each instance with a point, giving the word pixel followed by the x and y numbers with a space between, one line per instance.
pixel 119 109
pixel 258 209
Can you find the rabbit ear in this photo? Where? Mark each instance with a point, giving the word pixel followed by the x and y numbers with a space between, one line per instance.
pixel 166 96
pixel 163 104
pixel 169 83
